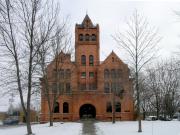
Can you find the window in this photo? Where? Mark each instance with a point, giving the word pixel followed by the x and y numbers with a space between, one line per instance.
pixel 108 107
pixel 65 107
pixel 68 73
pixel 106 73
pixel 119 73
pixel 91 74
pixel 80 37
pixel 83 86
pixel 120 90
pixel 54 87
pixel 106 87
pixel 56 107
pixel 113 73
pixel 83 60
pixel 93 37
pixel 87 24
pixel 113 87
pixel 61 87
pixel 61 73
pixel 91 60
pixel 87 37
pixel 68 88
pixel 112 59
pixel 92 86
pixel 118 107
pixel 83 75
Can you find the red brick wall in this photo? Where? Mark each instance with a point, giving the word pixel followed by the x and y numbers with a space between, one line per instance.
pixel 97 97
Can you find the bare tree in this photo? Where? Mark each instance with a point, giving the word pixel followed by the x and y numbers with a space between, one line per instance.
pixel 163 83
pixel 52 51
pixel 21 27
pixel 153 86
pixel 169 84
pixel 140 42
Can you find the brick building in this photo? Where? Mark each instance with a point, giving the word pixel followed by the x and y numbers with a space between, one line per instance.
pixel 87 83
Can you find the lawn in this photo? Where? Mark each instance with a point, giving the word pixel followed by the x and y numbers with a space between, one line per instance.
pixel 68 128
pixel 102 128
pixel 130 128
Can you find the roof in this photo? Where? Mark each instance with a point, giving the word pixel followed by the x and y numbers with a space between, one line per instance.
pixel 113 54
pixel 86 23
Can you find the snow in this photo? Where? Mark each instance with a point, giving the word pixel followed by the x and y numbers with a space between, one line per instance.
pixel 102 128
pixel 68 128
pixel 130 128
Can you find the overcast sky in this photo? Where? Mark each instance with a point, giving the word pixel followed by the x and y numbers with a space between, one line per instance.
pixel 111 16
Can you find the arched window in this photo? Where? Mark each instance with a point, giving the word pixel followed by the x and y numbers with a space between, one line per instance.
pixel 113 73
pixel 81 37
pixel 118 107
pixel 91 60
pixel 108 107
pixel 56 107
pixel 106 87
pixel 83 60
pixel 93 37
pixel 65 107
pixel 106 73
pixel 87 37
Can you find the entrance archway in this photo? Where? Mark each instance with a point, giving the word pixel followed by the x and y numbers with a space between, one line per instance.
pixel 87 111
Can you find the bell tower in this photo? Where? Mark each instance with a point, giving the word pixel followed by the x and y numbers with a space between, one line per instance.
pixel 87 53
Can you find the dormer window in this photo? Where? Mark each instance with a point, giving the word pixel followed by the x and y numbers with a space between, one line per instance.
pixel 93 37
pixel 80 37
pixel 112 59
pixel 87 37
pixel 87 23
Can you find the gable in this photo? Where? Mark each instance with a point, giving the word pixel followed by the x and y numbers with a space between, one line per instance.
pixel 113 59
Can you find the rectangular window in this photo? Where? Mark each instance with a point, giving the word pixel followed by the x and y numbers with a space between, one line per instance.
pixel 106 87
pixel 108 107
pixel 83 75
pixel 54 87
pixel 118 107
pixel 113 87
pixel 83 86
pixel 91 74
pixel 92 86
pixel 61 87
pixel 68 88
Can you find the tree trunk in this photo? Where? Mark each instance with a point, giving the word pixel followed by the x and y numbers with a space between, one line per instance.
pixel 113 108
pixel 50 114
pixel 50 118
pixel 28 123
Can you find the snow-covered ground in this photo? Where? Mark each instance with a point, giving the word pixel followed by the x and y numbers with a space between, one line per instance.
pixel 102 128
pixel 130 128
pixel 68 128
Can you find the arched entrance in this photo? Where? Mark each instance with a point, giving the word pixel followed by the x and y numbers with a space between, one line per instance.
pixel 87 111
